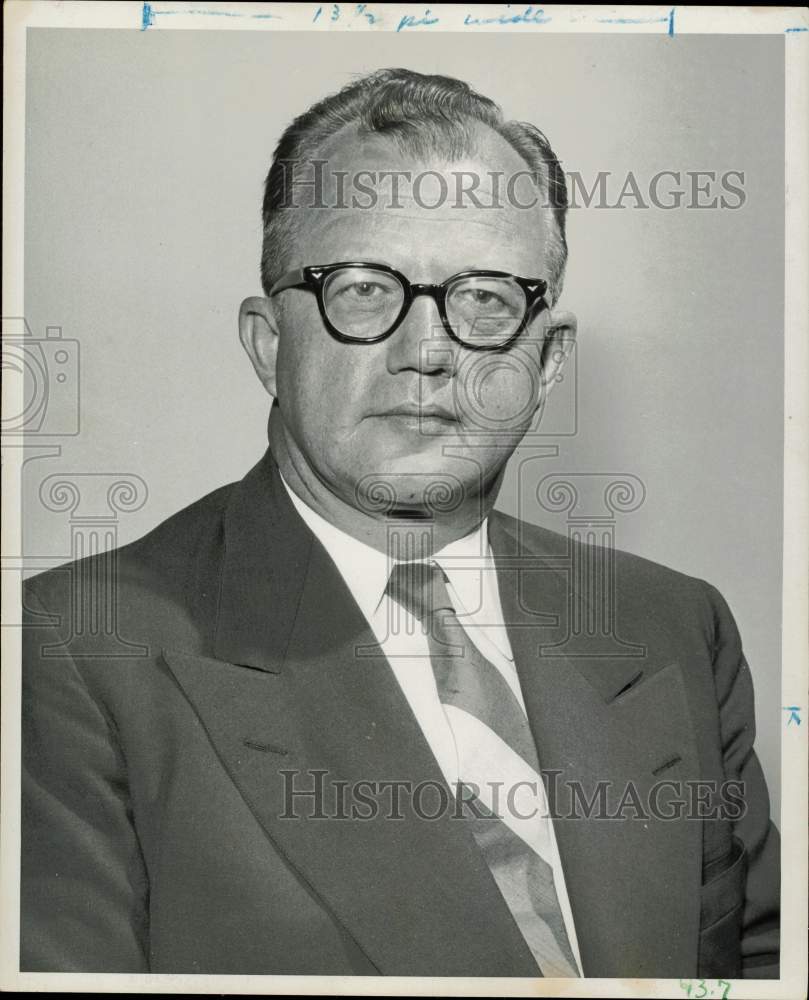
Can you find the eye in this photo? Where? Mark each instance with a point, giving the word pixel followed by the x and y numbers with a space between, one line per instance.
pixel 481 296
pixel 484 299
pixel 361 287
pixel 364 290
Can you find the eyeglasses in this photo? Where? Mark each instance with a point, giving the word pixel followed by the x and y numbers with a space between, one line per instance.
pixel 362 303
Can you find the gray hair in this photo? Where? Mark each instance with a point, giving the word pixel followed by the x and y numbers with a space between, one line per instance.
pixel 423 115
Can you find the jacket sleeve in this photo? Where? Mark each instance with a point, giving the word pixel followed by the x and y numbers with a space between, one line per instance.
pixel 83 884
pixel 734 689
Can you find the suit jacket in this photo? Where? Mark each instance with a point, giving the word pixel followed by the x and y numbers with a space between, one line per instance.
pixel 168 686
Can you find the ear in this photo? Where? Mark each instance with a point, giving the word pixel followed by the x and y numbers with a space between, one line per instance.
pixel 258 332
pixel 560 338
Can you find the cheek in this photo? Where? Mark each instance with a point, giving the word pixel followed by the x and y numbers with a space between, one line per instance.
pixel 499 391
pixel 305 355
pixel 320 382
pixel 315 390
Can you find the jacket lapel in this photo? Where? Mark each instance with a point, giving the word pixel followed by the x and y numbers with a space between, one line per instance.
pixel 623 721
pixel 298 698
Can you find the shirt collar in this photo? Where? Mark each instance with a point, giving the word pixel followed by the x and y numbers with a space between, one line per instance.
pixel 363 567
pixel 366 570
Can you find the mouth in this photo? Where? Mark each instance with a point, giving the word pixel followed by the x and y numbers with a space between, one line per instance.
pixel 423 413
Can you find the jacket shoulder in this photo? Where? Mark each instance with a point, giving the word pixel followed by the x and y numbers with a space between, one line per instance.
pixel 166 553
pixel 641 584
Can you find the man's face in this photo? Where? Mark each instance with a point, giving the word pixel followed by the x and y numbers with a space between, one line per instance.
pixel 467 410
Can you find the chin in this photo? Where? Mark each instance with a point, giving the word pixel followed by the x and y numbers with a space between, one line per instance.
pixel 427 481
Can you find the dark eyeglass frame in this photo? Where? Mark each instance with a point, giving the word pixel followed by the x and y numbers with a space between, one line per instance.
pixel 314 277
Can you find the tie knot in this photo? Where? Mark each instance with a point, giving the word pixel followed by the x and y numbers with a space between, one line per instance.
pixel 420 588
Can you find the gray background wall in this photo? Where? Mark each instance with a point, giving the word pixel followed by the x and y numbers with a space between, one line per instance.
pixel 145 156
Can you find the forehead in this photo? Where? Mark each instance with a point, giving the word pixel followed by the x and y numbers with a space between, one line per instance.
pixel 385 203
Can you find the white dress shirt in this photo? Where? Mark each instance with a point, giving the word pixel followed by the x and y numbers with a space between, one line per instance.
pixel 472 586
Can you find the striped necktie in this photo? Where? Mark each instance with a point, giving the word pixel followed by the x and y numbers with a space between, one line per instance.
pixel 496 752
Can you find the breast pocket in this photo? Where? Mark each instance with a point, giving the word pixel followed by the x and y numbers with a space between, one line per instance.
pixel 721 917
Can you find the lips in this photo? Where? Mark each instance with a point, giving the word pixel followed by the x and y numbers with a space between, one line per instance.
pixel 421 412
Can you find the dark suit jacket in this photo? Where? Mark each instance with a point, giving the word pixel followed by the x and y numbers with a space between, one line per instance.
pixel 167 685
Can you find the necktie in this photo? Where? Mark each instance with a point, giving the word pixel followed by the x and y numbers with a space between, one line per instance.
pixel 496 752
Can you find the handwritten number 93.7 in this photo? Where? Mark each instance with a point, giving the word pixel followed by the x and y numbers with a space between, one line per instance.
pixel 696 989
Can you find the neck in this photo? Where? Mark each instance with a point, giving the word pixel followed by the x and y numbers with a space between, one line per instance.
pixel 375 529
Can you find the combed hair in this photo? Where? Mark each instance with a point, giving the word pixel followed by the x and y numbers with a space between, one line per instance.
pixel 423 115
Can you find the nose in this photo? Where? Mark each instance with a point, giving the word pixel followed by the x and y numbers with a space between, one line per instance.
pixel 421 343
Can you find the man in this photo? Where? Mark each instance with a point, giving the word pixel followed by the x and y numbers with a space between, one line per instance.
pixel 319 750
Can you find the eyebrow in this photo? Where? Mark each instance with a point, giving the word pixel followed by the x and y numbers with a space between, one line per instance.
pixel 381 260
pixel 370 260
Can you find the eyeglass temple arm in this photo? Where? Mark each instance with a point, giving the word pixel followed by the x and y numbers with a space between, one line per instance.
pixel 292 279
